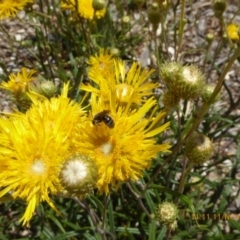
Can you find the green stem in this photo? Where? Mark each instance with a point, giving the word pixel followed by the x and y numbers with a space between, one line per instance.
pixel 184 177
pixel 182 23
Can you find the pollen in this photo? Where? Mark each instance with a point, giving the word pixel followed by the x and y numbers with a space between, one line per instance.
pixel 107 148
pixel 38 167
pixel 74 171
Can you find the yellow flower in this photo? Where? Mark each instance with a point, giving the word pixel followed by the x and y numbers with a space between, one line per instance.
pixel 130 86
pixel 103 63
pixel 33 149
pixel 9 8
pixel 19 82
pixel 232 31
pixel 85 8
pixel 121 153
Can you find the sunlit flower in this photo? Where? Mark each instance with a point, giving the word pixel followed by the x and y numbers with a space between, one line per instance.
pixel 33 149
pixel 9 8
pixel 19 82
pixel 102 62
pixel 85 8
pixel 232 31
pixel 132 85
pixel 124 151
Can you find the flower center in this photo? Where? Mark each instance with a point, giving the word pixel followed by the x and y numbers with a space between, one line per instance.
pixel 106 148
pixel 124 92
pixel 38 166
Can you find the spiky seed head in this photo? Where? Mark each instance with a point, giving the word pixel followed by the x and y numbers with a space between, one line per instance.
pixel 186 82
pixel 167 212
pixel 78 175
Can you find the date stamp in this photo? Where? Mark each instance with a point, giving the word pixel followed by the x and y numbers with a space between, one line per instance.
pixel 215 216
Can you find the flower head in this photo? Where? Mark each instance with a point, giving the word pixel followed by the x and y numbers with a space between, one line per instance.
pixel 103 63
pixel 9 8
pixel 34 147
pixel 19 83
pixel 85 8
pixel 121 153
pixel 78 175
pixel 129 85
pixel 232 31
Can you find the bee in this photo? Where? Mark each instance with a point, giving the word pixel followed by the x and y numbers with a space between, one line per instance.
pixel 103 117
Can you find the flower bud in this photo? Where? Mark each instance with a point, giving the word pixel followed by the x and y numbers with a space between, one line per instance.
pixel 154 14
pixel 78 175
pixel 48 88
pixel 197 187
pixel 172 226
pixel 219 7
pixel 210 37
pixel 199 148
pixel 115 52
pixel 98 4
pixel 23 102
pixel 167 212
pixel 125 19
pixel 207 93
pixel 186 82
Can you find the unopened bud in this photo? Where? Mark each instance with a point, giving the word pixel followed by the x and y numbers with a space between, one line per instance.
pixel 195 185
pixel 125 19
pixel 219 7
pixel 154 14
pixel 48 88
pixel 186 82
pixel 207 93
pixel 199 148
pixel 115 52
pixel 210 37
pixel 98 4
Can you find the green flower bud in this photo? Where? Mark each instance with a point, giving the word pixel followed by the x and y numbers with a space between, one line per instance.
pixel 172 226
pixel 154 14
pixel 125 19
pixel 167 213
pixel 186 82
pixel 207 93
pixel 219 7
pixel 48 88
pixel 210 37
pixel 199 186
pixel 199 148
pixel 98 4
pixel 78 175
pixel 115 52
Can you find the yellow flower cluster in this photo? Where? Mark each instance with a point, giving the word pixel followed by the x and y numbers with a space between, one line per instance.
pixel 233 31
pixel 59 148
pixel 9 8
pixel 84 8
